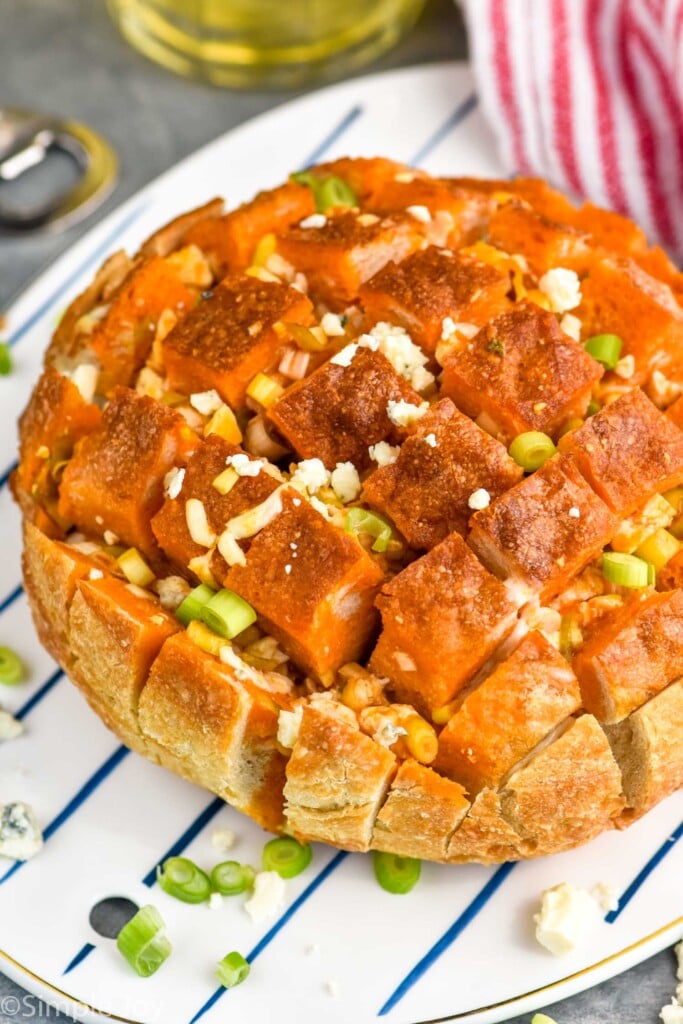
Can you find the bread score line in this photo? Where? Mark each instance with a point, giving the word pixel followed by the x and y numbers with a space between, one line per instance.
pixel 380 358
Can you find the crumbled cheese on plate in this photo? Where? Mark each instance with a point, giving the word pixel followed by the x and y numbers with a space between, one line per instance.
pixel 267 896
pixel 20 836
pixel 404 414
pixel 567 916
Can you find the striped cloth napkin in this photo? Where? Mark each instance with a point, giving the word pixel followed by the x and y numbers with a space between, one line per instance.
pixel 589 94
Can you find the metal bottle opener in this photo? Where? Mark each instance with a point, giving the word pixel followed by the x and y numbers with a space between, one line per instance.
pixel 26 138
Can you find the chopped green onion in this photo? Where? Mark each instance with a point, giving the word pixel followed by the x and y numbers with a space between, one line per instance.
pixel 531 449
pixel 181 878
pixel 335 191
pixel 651 575
pixel 626 570
pixel 286 856
pixel 358 520
pixel 571 636
pixel 143 943
pixel 659 548
pixel 227 614
pixel 606 348
pixel 5 359
pixel 11 667
pixel 593 407
pixel 396 874
pixel 327 192
pixel 232 970
pixel 230 878
pixel 190 608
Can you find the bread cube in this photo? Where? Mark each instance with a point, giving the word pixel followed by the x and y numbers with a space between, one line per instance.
pixel 536 192
pixel 313 587
pixel 544 530
pixel 627 452
pixel 204 466
pixel 207 723
pixel 569 792
pixel 457 216
pixel 619 297
pixel 432 284
pixel 647 746
pixel 631 655
pixel 522 372
pixel 337 778
pixel 174 234
pixel 230 336
pixel 485 835
pixel 51 571
pixel 115 481
pixel 122 339
pixel 230 241
pixel 340 410
pixel 501 721
pixel 115 633
pixel 675 412
pixel 446 459
pixel 420 813
pixel 54 420
pixel 544 243
pixel 442 617
pixel 347 250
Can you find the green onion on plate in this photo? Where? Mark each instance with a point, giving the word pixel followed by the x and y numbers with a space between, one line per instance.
pixel 396 874
pixel 359 520
pixel 11 667
pixel 286 856
pixel 230 878
pixel 232 970
pixel 181 878
pixel 142 941
pixel 627 570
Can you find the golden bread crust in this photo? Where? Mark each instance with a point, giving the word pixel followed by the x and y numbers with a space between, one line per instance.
pixel 436 666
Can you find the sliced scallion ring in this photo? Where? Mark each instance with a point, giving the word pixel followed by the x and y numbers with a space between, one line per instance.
pixel 190 608
pixel 181 878
pixel 286 856
pixel 142 941
pixel 606 348
pixel 531 449
pixel 359 520
pixel 11 667
pixel 396 874
pixel 333 192
pixel 227 614
pixel 626 570
pixel 5 359
pixel 327 192
pixel 232 970
pixel 230 878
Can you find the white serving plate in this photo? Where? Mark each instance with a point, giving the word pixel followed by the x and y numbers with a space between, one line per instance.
pixel 460 946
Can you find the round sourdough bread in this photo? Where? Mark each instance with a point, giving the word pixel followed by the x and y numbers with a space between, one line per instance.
pixel 314 410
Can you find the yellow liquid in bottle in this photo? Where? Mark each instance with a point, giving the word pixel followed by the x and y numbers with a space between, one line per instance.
pixel 263 43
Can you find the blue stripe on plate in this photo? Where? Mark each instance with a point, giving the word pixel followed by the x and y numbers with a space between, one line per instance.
pixel 186 838
pixel 97 254
pixel 26 708
pixel 642 875
pixel 333 136
pixel 449 936
pixel 86 790
pixel 6 475
pixel 11 598
pixel 331 866
pixel 85 951
pixel 460 114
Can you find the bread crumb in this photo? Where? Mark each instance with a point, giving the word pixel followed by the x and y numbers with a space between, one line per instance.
pixel 332 988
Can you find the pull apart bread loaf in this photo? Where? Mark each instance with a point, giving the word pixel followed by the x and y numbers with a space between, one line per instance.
pixel 370 423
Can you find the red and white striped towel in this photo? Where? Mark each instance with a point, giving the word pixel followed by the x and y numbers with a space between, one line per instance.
pixel 589 94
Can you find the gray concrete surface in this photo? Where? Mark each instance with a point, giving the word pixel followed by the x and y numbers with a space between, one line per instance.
pixel 64 56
